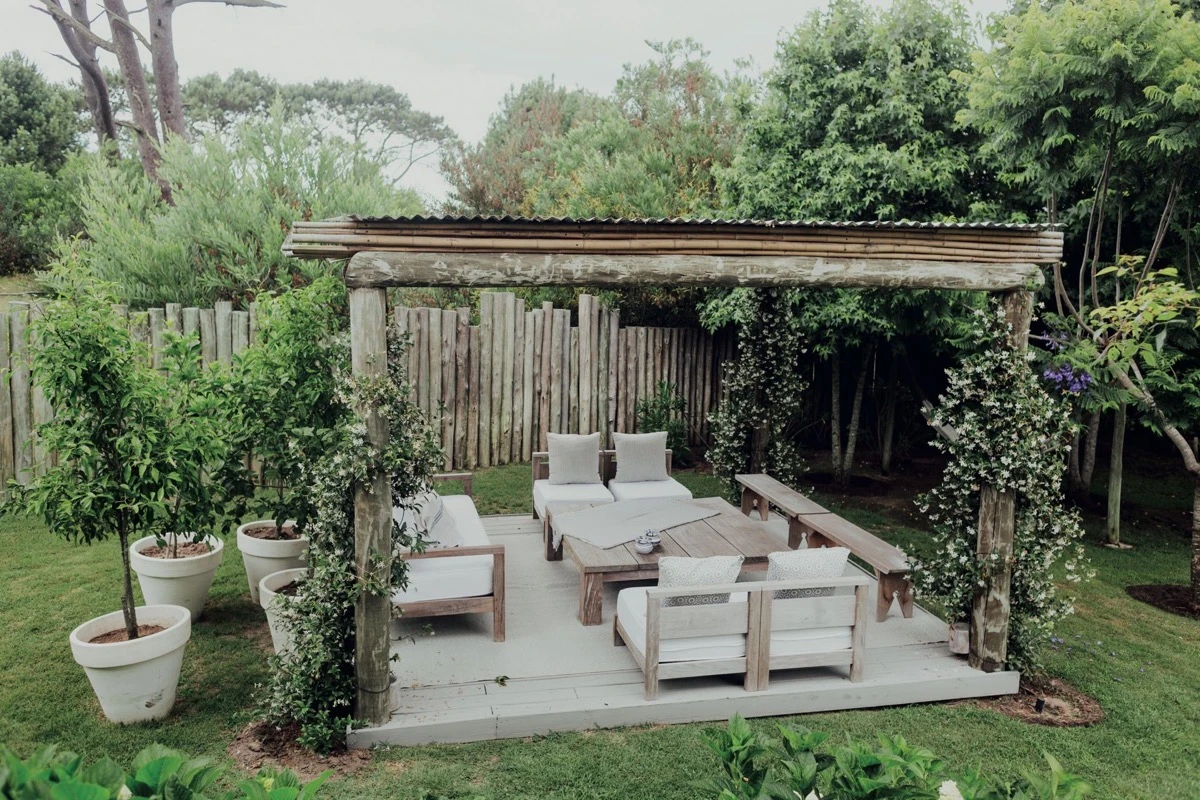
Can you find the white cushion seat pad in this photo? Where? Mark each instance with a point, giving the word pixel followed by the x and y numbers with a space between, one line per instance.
pixel 453 576
pixel 631 610
pixel 546 492
pixel 670 489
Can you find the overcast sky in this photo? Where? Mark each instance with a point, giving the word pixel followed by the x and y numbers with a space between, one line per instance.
pixel 453 59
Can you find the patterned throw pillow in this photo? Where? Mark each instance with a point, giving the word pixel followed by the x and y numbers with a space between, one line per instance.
pixel 674 572
pixel 574 458
pixel 796 565
pixel 641 457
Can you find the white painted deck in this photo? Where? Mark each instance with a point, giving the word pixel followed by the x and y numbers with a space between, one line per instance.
pixel 454 684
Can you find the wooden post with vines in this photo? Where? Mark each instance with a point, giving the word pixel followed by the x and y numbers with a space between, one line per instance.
pixel 372 513
pixel 997 526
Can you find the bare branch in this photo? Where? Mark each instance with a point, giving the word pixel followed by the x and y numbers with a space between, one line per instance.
pixel 61 17
pixel 141 37
pixel 243 3
pixel 1173 433
pixel 61 57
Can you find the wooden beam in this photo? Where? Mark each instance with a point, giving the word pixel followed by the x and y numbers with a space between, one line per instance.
pixel 990 611
pixel 372 514
pixel 561 269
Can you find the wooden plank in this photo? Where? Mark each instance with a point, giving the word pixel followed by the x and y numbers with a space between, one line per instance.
pixel 547 369
pixel 586 344
pixel 496 422
pixel 532 339
pixel 518 382
pixel 602 378
pixel 784 497
pixel 174 317
pixel 474 398
pixel 433 344
pixel 487 336
pixel 508 304
pixel 253 309
pixel 717 619
pixel 372 514
pixel 208 335
pixel 39 404
pixel 224 330
pixel 157 325
pixel 378 268
pixel 239 324
pixel 644 367
pixel 191 321
pixel 557 379
pixel 614 371
pixel 420 327
pixel 540 384
pixel 799 613
pixel 7 468
pixel 22 399
pixel 574 384
pixel 706 361
pixel 449 383
pixel 462 366
pixel 619 378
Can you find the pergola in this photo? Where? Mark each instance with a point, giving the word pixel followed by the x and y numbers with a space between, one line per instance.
pixel 481 252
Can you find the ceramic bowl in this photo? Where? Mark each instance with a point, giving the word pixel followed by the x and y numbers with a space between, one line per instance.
pixel 652 536
pixel 644 547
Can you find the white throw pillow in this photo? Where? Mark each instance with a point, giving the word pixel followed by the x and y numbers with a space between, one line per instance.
pixel 428 518
pixel 574 458
pixel 674 572
pixel 797 565
pixel 641 457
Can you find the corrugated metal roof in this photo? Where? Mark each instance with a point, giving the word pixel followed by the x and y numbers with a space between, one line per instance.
pixel 688 221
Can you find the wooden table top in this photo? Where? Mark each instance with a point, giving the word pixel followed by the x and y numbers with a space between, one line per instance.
pixel 729 533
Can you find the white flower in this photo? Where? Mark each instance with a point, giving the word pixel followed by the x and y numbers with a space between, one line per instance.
pixel 124 793
pixel 949 791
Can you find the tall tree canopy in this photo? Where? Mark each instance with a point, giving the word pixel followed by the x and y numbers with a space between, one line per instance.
pixel 39 120
pixel 858 118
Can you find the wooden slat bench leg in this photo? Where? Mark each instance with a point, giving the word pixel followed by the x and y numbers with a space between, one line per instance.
pixel 748 498
pixel 552 553
pixel 618 641
pixel 591 598
pixel 797 530
pixel 898 586
pixel 498 597
pixel 816 539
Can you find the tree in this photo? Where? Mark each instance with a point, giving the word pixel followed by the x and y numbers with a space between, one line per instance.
pixel 35 209
pixel 235 199
pixel 373 115
pixel 39 126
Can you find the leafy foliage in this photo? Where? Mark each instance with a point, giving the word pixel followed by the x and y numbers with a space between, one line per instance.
pixel 756 767
pixel 1013 435
pixel 754 428
pixel 235 199
pixel 39 126
pixel 157 773
pixel 315 687
pixel 35 210
pixel 663 410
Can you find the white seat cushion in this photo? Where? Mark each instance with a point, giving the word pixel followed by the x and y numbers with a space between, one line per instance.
pixel 546 492
pixel 631 610
pixel 453 576
pixel 669 489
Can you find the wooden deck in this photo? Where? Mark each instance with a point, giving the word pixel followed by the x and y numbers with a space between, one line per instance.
pixel 454 684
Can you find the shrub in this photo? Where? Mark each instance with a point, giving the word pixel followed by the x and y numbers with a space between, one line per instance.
pixel 35 209
pixel 756 767
pixel 664 411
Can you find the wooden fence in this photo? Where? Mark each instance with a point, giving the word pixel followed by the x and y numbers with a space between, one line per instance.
pixel 496 389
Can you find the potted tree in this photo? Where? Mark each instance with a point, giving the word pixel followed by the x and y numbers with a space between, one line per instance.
pixel 286 380
pixel 114 471
pixel 177 567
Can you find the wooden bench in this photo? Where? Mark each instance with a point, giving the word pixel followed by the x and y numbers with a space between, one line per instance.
pixel 808 520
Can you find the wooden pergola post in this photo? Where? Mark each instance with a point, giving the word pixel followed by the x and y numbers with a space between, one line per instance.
pixel 997 526
pixel 372 514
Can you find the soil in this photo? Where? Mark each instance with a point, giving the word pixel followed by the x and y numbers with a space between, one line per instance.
pixel 289 589
pixel 260 745
pixel 1062 705
pixel 185 550
pixel 1172 598
pixel 120 635
pixel 286 533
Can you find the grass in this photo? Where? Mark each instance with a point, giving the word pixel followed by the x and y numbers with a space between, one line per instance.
pixel 1141 664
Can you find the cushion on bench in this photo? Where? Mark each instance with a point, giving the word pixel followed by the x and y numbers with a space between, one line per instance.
pixel 453 576
pixel 669 489
pixel 546 492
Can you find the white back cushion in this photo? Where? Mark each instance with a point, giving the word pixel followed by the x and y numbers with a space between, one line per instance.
pixel 675 572
pixel 814 562
pixel 574 458
pixel 641 457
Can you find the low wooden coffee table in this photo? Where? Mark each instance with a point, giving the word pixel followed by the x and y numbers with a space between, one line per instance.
pixel 729 533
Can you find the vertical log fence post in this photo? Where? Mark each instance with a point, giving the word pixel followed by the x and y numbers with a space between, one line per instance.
pixel 997 524
pixel 372 513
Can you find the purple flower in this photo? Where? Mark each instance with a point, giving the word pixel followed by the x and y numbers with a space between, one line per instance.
pixel 1068 379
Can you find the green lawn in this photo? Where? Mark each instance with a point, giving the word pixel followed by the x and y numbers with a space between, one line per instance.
pixel 1141 664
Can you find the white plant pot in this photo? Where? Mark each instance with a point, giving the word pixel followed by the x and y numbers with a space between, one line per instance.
pixel 281 637
pixel 265 556
pixel 176 581
pixel 960 638
pixel 134 681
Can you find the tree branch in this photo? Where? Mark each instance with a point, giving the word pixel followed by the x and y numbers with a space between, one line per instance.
pixel 243 3
pixel 60 16
pixel 1168 428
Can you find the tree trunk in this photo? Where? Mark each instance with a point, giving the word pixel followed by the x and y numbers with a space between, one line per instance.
pixel 855 416
pixel 889 418
pixel 1196 545
pixel 128 604
pixel 1112 523
pixel 95 87
pixel 125 46
pixel 1088 468
pixel 835 413
pixel 166 68
pixel 1074 477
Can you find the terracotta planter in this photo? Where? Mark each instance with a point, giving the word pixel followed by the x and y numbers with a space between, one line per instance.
pixel 960 638
pixel 262 557
pixel 176 581
pixel 135 681
pixel 281 637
